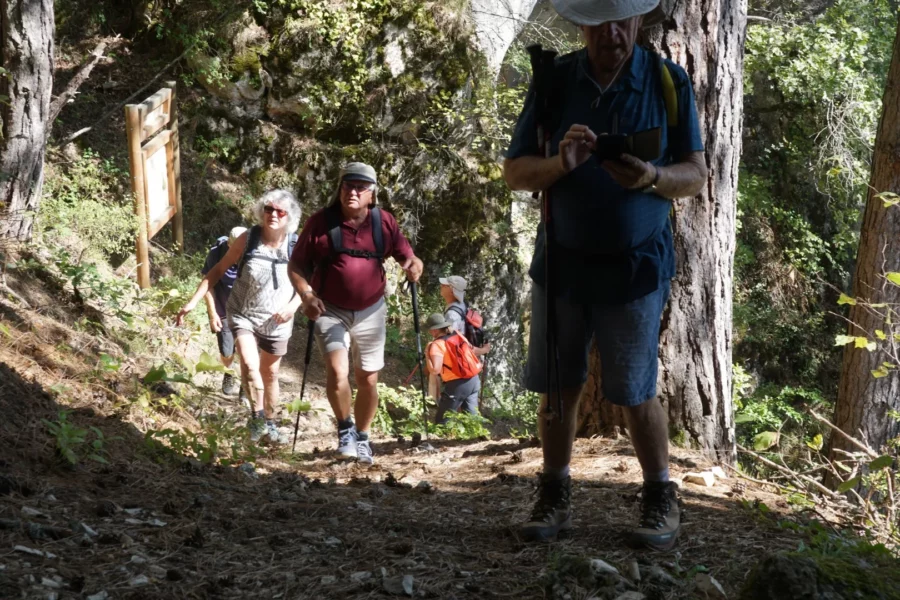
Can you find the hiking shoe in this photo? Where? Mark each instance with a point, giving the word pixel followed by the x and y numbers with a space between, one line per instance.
pixel 364 452
pixel 552 513
pixel 660 516
pixel 257 429
pixel 346 449
pixel 230 385
pixel 274 435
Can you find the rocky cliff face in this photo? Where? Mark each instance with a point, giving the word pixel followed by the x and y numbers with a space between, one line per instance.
pixel 298 87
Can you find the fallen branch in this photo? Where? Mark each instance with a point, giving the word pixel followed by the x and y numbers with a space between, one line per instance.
pixel 759 481
pixel 72 88
pixel 871 453
pixel 791 473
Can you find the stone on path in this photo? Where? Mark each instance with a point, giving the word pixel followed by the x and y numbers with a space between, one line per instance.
pixel 705 478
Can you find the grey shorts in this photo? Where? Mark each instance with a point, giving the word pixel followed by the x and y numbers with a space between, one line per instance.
pixel 360 332
pixel 627 337
pixel 226 340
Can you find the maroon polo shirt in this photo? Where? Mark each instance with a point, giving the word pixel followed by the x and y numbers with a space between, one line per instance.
pixel 351 283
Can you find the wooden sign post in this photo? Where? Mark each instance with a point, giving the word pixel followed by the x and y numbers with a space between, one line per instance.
pixel 155 162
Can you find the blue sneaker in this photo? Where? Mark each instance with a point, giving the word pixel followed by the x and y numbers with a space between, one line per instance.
pixel 364 452
pixel 346 449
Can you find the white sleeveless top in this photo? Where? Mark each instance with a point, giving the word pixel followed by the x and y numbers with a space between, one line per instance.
pixel 255 297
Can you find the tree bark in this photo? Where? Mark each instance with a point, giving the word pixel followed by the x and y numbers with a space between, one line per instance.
pixel 864 401
pixel 26 53
pixel 497 24
pixel 706 37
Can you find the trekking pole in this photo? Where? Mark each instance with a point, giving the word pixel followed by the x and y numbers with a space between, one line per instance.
pixel 306 360
pixel 542 66
pixel 415 305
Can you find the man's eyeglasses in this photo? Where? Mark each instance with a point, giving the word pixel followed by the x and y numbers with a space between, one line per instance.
pixel 281 213
pixel 357 187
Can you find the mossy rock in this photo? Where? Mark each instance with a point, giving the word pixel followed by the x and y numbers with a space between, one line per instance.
pixel 796 576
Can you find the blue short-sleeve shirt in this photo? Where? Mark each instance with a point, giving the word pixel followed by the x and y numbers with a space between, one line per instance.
pixel 614 245
pixel 223 288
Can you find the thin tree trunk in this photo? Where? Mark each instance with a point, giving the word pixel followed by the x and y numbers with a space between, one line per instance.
pixel 864 400
pixel 706 37
pixel 26 53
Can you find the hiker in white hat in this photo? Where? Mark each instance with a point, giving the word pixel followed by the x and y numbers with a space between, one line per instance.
pixel 456 310
pixel 611 246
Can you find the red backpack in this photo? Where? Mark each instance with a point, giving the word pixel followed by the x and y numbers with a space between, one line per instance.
pixel 459 358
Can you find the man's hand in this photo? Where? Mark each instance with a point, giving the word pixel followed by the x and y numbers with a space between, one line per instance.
pixel 576 147
pixel 215 322
pixel 630 172
pixel 312 307
pixel 482 350
pixel 413 267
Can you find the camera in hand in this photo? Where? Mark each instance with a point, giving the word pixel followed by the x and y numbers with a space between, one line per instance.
pixel 645 145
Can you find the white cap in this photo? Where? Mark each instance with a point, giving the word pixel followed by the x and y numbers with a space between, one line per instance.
pixel 597 12
pixel 457 283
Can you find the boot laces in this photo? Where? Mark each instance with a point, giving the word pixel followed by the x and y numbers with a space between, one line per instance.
pixel 655 506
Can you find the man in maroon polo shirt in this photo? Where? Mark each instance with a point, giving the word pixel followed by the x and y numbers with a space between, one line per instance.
pixel 337 270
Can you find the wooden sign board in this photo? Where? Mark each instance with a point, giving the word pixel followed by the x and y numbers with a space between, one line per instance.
pixel 155 162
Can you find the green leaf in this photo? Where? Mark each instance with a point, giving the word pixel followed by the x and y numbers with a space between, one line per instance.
pixel 297 405
pixel 881 462
pixel 893 277
pixel 816 443
pixel 880 372
pixel 861 342
pixel 871 346
pixel 843 340
pixel 155 374
pixel 109 363
pixel 5 330
pixel 208 363
pixel 745 418
pixel 845 299
pixel 880 334
pixel 764 440
pixel 848 485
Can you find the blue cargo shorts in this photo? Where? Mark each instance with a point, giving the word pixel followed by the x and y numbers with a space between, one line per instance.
pixel 627 337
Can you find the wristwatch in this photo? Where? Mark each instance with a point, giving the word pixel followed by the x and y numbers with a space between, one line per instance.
pixel 651 189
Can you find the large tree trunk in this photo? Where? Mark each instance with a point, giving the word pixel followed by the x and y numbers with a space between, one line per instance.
pixel 706 37
pixel 497 24
pixel 26 52
pixel 864 400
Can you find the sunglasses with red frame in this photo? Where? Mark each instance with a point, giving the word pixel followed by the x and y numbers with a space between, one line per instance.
pixel 281 213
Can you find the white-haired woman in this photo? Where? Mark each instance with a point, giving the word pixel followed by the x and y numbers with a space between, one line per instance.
pixel 262 304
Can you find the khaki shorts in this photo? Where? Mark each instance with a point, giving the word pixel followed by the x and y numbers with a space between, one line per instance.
pixel 360 332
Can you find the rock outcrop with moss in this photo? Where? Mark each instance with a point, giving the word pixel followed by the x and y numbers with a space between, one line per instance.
pixel 300 86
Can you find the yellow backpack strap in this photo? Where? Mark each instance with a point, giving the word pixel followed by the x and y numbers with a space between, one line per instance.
pixel 669 95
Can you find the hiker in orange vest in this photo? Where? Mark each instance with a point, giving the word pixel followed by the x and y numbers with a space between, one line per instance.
pixel 451 357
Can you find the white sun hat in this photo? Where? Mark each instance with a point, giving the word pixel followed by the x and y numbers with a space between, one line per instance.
pixel 597 12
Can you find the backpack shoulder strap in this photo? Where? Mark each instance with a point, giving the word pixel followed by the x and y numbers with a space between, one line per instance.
pixel 253 236
pixel 669 95
pixel 333 222
pixel 377 232
pixel 292 243
pixel 458 310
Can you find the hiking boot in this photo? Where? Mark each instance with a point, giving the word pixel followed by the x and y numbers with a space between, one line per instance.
pixel 257 429
pixel 552 513
pixel 346 449
pixel 274 435
pixel 364 452
pixel 230 385
pixel 660 516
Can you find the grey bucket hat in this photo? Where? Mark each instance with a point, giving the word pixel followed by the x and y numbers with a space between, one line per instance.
pixel 437 321
pixel 597 12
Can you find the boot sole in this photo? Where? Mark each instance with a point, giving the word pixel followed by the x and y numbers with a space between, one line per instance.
pixel 546 534
pixel 638 542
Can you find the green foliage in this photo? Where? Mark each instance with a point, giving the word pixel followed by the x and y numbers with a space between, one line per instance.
pixel 813 88
pixel 111 294
pixel 87 202
pixel 73 443
pixel 399 410
pixel 463 426
pixel 223 439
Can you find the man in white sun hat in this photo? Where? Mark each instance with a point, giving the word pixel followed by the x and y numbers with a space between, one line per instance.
pixel 611 242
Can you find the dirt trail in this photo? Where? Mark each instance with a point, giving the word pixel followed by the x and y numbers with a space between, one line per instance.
pixel 156 524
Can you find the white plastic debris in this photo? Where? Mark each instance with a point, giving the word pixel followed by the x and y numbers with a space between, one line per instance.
pixel 98 596
pixel 139 581
pixel 361 576
pixel 706 478
pixel 598 566
pixel 719 472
